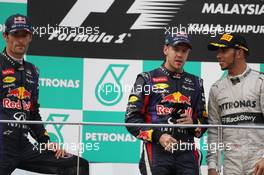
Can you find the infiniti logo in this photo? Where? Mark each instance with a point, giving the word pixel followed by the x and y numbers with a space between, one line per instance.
pixel 20 116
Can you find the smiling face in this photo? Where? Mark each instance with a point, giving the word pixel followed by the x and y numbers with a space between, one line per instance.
pixel 176 56
pixel 17 43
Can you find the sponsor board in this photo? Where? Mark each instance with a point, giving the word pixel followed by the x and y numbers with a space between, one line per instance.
pixel 119 29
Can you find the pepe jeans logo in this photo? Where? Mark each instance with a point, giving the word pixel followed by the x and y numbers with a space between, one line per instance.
pixel 56 135
pixel 227 37
pixel 108 90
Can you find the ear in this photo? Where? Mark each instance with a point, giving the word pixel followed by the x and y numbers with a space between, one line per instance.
pixel 30 39
pixel 240 53
pixel 165 50
pixel 5 36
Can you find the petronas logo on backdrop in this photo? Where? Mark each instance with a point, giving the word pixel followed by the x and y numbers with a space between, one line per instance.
pixel 56 135
pixel 108 90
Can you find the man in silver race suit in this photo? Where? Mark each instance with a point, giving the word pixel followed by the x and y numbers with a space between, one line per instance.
pixel 238 99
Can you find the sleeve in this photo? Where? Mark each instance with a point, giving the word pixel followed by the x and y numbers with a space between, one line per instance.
pixel 137 111
pixel 37 131
pixel 213 118
pixel 199 113
pixel 262 95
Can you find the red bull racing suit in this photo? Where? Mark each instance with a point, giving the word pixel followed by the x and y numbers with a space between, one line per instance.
pixel 237 100
pixel 160 96
pixel 19 101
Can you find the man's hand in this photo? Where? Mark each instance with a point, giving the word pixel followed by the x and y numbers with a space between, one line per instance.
pixel 167 141
pixel 212 172
pixel 185 119
pixel 259 168
pixel 51 146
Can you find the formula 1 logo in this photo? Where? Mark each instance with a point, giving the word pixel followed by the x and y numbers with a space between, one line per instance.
pixel 154 14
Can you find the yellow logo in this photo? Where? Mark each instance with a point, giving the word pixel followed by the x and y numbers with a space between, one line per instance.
pixel 146 135
pixel 9 79
pixel 226 37
pixel 161 86
pixel 46 133
pixel 133 99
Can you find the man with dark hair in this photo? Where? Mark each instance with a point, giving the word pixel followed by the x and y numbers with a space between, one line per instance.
pixel 237 99
pixel 19 101
pixel 175 97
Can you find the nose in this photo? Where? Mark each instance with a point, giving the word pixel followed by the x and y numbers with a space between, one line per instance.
pixel 20 39
pixel 179 54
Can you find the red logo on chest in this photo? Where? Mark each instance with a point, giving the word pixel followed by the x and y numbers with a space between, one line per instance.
pixel 8 72
pixel 159 79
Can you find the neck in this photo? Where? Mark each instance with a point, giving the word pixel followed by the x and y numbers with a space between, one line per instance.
pixel 237 70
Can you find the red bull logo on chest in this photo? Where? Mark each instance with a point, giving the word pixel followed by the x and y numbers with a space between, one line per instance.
pixel 177 97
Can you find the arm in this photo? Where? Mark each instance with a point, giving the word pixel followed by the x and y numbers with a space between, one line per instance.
pixel 137 111
pixel 213 118
pixel 37 130
pixel 262 95
pixel 200 114
pixel 259 166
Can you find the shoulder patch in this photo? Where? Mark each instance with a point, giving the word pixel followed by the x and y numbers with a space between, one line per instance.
pixel 216 84
pixel 145 75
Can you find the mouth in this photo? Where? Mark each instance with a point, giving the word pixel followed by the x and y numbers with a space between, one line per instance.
pixel 178 61
pixel 221 63
pixel 20 47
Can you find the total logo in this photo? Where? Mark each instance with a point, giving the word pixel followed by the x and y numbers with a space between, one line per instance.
pixel 9 79
pixel 176 97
